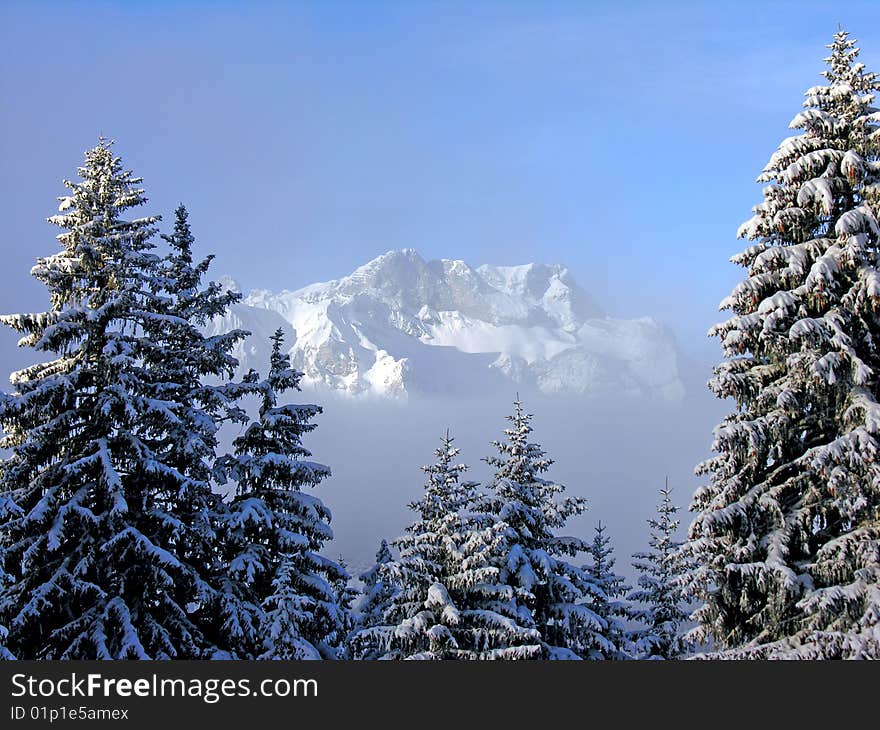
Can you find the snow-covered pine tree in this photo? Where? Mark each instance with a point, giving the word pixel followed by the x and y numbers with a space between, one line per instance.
pixel 345 595
pixel 190 355
pixel 611 606
pixel 377 589
pixel 551 593
pixel 376 595
pixel 787 531
pixel 194 372
pixel 659 598
pixel 8 511
pixel 94 550
pixel 274 531
pixel 448 603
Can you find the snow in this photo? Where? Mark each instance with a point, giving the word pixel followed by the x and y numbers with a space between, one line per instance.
pixel 227 283
pixel 386 375
pixel 400 325
pixel 453 329
pixel 778 577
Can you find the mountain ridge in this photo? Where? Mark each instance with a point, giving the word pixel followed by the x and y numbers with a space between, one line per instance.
pixel 400 325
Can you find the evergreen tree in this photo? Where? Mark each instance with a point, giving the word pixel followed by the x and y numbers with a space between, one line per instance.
pixel 8 510
pixel 345 595
pixel 448 603
pixel 661 602
pixel 550 592
pixel 611 605
pixel 377 594
pixel 194 372
pixel 378 590
pixel 98 559
pixel 786 532
pixel 273 531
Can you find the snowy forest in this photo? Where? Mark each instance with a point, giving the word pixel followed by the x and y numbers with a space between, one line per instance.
pixel 131 528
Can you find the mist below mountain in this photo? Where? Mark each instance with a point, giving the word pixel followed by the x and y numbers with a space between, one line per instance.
pixel 616 453
pixel 403 349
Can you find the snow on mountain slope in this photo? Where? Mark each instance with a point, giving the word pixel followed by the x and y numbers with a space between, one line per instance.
pixel 400 325
pixel 253 351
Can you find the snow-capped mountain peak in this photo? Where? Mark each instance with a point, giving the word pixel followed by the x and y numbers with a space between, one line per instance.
pixel 399 325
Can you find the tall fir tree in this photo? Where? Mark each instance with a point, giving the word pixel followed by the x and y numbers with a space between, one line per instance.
pixel 786 531
pixel 660 603
pixel 97 556
pixel 448 602
pixel 193 371
pixel 551 593
pixel 273 531
pixel 611 606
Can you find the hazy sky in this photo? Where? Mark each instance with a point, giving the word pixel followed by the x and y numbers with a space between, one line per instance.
pixel 307 138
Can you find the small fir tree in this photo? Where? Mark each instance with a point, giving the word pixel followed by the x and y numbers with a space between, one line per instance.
pixel 448 602
pixel 346 595
pixel 8 511
pixel 611 605
pixel 550 592
pixel 660 601
pixel 376 595
pixel 274 531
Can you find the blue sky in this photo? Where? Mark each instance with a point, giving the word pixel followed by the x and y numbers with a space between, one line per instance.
pixel 306 138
